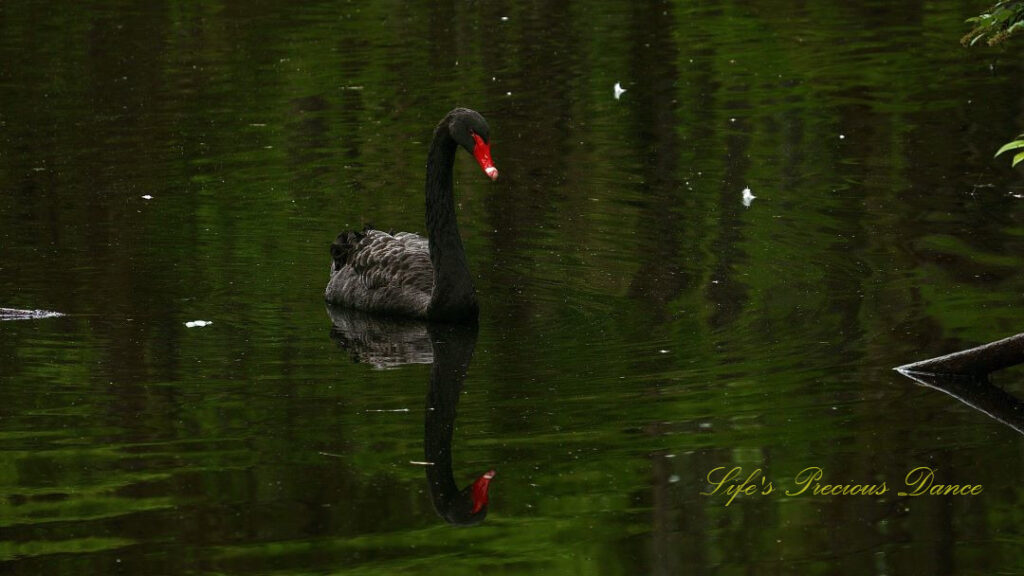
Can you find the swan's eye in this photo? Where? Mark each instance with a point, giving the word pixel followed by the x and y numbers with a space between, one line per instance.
pixel 482 153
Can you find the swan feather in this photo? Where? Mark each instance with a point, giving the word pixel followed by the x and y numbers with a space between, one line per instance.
pixel 380 271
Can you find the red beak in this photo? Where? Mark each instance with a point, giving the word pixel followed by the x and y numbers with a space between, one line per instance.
pixel 482 153
pixel 481 484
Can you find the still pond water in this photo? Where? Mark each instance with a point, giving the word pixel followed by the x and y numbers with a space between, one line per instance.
pixel 640 326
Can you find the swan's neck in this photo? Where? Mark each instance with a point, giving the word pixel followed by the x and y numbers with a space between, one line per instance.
pixel 453 297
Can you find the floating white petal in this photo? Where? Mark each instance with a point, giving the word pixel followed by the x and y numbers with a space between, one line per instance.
pixel 618 90
pixel 197 323
pixel 748 197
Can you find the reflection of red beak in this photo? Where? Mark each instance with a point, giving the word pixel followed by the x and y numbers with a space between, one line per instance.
pixel 482 153
pixel 481 484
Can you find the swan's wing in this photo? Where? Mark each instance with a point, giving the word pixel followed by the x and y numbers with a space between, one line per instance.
pixel 375 270
pixel 402 259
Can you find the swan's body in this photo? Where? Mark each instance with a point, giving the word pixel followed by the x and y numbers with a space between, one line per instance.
pixel 382 272
pixel 405 274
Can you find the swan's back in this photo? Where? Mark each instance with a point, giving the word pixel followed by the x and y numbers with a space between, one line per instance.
pixel 381 272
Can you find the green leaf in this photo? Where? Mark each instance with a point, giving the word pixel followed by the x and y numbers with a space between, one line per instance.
pixel 1017 159
pixel 1011 146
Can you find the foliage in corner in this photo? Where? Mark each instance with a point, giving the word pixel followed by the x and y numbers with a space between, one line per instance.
pixel 1015 145
pixel 996 24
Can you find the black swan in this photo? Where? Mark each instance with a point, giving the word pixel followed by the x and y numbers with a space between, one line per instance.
pixel 404 274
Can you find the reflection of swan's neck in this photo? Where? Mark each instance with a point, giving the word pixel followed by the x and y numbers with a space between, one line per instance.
pixel 437 441
pixel 453 351
pixel 390 342
pixel 453 297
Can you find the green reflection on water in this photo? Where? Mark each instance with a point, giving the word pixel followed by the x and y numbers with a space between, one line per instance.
pixel 639 326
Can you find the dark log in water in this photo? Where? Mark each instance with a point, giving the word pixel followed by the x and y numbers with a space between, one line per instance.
pixel 976 361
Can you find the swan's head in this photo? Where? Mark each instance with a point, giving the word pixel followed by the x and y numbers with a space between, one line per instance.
pixel 469 129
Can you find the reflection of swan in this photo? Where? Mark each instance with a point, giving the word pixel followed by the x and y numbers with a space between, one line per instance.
pixel 382 341
pixel 388 343
pixel 978 393
pixel 404 274
pixel 453 350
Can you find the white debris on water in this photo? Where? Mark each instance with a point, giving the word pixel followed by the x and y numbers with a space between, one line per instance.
pixel 748 197
pixel 147 197
pixel 197 323
pixel 618 90
pixel 393 410
pixel 16 314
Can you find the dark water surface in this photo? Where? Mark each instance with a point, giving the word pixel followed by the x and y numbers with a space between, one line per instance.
pixel 640 326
